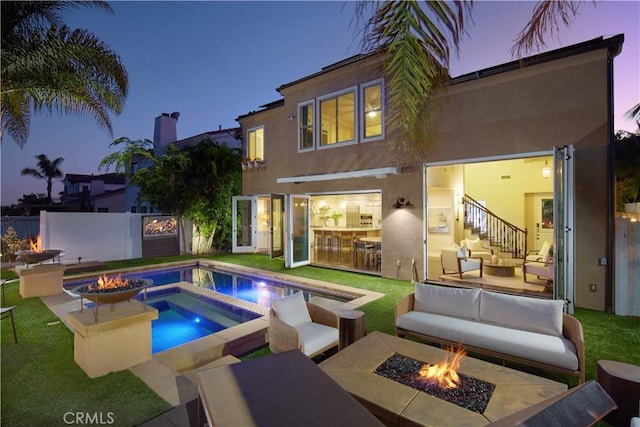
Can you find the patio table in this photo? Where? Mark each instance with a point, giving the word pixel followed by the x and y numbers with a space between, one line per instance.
pixel 283 389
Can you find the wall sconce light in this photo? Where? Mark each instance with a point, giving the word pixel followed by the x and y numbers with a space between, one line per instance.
pixel 546 170
pixel 402 202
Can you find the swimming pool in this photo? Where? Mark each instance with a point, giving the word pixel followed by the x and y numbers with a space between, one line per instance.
pixel 184 316
pixel 253 289
pixel 196 300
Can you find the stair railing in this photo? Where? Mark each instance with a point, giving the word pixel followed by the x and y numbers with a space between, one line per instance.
pixel 489 226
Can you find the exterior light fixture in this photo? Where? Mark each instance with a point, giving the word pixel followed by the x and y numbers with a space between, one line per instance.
pixel 546 170
pixel 402 202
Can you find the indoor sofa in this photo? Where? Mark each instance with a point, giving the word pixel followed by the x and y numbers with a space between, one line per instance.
pixel 525 330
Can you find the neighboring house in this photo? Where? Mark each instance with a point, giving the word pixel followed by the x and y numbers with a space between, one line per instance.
pixel 165 133
pixel 517 141
pixel 94 193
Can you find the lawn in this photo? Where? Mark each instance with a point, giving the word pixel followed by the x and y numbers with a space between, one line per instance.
pixel 41 382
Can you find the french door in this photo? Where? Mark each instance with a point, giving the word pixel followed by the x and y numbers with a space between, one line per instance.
pixel 244 219
pixel 277 225
pixel 563 217
pixel 297 230
pixel 288 226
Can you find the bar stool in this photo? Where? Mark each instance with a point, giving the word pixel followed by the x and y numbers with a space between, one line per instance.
pixel 8 312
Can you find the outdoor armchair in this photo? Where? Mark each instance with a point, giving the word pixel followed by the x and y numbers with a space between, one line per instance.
pixel 296 324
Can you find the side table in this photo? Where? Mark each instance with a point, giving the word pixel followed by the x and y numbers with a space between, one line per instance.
pixel 352 327
pixel 622 382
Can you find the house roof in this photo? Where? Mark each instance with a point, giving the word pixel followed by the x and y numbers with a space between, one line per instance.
pixel 108 178
pixel 613 43
pixel 232 132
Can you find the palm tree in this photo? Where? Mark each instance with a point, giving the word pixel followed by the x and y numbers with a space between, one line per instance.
pixel 47 67
pixel 46 169
pixel 418 38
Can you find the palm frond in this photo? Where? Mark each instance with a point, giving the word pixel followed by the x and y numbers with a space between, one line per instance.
pixel 418 38
pixel 51 68
pixel 546 19
pixel 634 114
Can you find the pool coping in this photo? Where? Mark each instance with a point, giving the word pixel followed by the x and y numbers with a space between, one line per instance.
pixel 164 372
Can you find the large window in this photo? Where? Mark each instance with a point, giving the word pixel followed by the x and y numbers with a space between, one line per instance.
pixel 372 110
pixel 305 126
pixel 337 118
pixel 255 145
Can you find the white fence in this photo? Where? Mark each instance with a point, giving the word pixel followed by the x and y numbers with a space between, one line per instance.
pixel 627 267
pixel 92 236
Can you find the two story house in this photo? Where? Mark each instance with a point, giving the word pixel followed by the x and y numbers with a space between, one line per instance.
pixel 94 193
pixel 523 157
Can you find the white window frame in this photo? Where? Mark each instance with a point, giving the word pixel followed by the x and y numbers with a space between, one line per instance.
pixel 253 129
pixel 382 110
pixel 314 135
pixel 352 89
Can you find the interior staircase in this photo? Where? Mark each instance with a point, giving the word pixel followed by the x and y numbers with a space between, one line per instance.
pixel 501 234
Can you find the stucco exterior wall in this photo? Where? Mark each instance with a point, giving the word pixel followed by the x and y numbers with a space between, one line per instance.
pixel 519 112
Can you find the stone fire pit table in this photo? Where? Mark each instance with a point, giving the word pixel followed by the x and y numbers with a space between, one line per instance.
pixel 398 404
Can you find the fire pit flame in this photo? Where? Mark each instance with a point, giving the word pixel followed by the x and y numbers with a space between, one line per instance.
pixel 105 282
pixel 444 373
pixel 36 246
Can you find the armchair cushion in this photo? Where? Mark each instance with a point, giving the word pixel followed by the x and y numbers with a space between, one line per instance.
pixel 292 309
pixel 474 245
pixel 315 337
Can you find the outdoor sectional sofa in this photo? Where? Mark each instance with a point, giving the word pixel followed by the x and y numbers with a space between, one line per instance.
pixel 524 330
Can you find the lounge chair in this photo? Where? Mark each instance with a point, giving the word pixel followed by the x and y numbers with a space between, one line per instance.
pixel 296 324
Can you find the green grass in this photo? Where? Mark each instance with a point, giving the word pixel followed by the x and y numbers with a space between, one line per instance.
pixel 41 381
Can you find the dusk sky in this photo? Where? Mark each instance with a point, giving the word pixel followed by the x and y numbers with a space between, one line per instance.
pixel 214 61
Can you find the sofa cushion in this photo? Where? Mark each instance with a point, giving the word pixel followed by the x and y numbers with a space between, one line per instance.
pixel 292 309
pixel 526 313
pixel 551 350
pixel 456 302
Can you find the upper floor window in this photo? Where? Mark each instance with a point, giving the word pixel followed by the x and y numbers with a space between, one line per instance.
pixel 305 126
pixel 255 143
pixel 338 118
pixel 372 110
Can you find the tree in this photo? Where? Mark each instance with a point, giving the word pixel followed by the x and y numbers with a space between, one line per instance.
pixel 47 170
pixel 130 152
pixel 418 38
pixel 627 168
pixel 47 67
pixel 195 183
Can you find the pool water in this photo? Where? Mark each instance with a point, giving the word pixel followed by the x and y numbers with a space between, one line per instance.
pixel 184 317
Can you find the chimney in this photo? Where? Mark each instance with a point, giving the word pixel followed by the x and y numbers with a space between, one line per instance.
pixel 164 132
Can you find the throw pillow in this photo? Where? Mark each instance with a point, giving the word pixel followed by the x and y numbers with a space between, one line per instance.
pixel 292 309
pixel 462 251
pixel 474 245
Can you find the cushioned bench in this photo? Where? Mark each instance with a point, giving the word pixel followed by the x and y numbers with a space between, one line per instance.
pixel 524 330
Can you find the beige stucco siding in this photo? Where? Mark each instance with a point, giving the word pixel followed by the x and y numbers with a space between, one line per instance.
pixel 517 112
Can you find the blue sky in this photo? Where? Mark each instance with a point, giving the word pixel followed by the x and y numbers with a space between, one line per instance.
pixel 213 61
